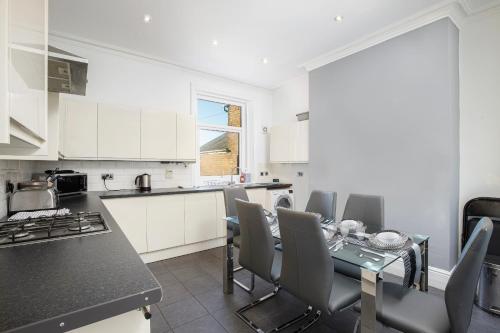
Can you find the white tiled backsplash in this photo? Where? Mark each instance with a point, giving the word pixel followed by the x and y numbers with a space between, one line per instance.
pixel 15 171
pixel 125 172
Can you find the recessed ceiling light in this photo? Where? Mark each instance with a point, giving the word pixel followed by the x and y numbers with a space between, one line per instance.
pixel 339 18
pixel 147 18
pixel 265 61
pixel 215 42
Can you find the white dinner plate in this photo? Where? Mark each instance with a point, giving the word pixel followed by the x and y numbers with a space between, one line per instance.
pixel 388 237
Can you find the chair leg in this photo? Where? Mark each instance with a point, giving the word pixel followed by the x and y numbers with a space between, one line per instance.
pixel 294 320
pixel 355 330
pixel 311 322
pixel 241 285
pixel 247 321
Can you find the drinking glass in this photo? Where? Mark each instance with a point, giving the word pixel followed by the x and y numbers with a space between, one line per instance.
pixel 344 231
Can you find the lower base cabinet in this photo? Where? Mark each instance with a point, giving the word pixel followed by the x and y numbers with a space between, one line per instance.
pixel 129 322
pixel 165 222
pixel 162 222
pixel 200 217
pixel 130 214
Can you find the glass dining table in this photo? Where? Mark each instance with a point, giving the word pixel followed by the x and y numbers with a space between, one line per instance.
pixel 371 263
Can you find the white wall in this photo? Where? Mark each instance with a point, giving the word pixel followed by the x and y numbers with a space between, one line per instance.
pixel 480 106
pixel 13 171
pixel 117 77
pixel 290 98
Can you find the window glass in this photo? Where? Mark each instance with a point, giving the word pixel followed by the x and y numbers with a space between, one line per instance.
pixel 219 153
pixel 220 114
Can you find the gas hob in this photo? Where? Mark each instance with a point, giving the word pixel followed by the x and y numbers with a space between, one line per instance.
pixel 48 228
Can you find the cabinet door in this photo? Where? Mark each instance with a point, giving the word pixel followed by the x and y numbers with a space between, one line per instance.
pixel 119 132
pixel 165 226
pixel 4 105
pixel 28 65
pixel 221 214
pixel 200 217
pixel 158 135
pixel 186 137
pixel 300 140
pixel 280 144
pixel 79 129
pixel 130 214
pixel 258 195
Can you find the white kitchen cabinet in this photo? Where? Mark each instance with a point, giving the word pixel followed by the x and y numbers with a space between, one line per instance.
pixel 4 61
pixel 158 135
pixel 130 214
pixel 289 143
pixel 221 214
pixel 258 195
pixel 129 322
pixel 165 221
pixel 200 217
pixel 300 135
pixel 79 129
pixel 27 70
pixel 186 137
pixel 280 147
pixel 119 133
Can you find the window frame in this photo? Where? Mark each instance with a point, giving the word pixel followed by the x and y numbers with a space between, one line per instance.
pixel 242 131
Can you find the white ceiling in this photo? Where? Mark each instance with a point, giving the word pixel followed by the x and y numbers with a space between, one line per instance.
pixel 287 32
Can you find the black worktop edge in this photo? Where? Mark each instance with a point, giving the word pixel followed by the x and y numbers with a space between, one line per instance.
pixel 170 191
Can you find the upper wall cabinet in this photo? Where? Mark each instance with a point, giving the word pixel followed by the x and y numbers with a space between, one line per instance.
pixel 158 135
pixel 79 129
pixel 27 69
pixel 119 132
pixel 24 114
pixel 4 60
pixel 290 143
pixel 186 137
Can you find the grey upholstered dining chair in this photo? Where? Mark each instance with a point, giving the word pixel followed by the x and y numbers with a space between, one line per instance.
pixel 370 210
pixel 412 311
pixel 366 208
pixel 257 252
pixel 230 196
pixel 322 202
pixel 307 268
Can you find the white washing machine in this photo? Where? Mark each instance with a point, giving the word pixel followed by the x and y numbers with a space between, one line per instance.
pixel 280 198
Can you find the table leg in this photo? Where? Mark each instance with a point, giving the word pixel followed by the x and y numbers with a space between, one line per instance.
pixel 371 299
pixel 424 275
pixel 228 264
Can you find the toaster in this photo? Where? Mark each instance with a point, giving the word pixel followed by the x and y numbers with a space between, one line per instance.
pixel 32 199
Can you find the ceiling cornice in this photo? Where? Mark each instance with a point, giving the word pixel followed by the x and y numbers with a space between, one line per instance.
pixel 448 8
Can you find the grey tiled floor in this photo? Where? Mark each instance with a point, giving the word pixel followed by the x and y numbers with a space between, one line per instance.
pixel 193 301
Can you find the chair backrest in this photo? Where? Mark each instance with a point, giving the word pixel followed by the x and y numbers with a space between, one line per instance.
pixel 366 208
pixel 461 287
pixel 256 239
pixel 307 267
pixel 322 202
pixel 230 195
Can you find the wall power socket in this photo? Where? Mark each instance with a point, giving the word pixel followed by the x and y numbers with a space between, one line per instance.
pixel 106 176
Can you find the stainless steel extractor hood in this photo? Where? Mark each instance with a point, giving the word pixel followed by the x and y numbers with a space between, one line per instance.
pixel 67 73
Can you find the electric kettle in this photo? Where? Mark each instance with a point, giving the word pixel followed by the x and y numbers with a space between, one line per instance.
pixel 143 182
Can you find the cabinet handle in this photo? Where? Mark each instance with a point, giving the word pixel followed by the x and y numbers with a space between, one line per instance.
pixel 146 313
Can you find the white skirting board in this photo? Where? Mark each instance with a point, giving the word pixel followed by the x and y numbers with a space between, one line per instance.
pixel 183 250
pixel 438 278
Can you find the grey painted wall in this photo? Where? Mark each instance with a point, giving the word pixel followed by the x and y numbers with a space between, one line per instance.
pixel 385 121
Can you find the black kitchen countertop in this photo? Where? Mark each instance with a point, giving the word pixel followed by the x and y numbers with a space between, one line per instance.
pixel 176 190
pixel 64 284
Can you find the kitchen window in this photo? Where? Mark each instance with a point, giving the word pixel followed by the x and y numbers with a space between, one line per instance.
pixel 220 133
